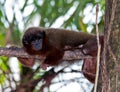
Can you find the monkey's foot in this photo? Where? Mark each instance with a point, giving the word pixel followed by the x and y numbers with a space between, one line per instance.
pixel 44 66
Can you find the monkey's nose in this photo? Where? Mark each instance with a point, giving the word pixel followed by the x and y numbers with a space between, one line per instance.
pixel 37 45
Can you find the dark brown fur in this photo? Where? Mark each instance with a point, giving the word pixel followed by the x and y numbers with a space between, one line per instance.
pixel 54 41
pixel 89 64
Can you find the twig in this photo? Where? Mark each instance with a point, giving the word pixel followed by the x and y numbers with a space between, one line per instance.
pixel 98 52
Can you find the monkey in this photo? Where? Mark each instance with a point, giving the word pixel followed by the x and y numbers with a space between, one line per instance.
pixel 50 42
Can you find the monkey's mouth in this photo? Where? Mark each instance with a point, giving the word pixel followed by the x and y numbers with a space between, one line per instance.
pixel 37 45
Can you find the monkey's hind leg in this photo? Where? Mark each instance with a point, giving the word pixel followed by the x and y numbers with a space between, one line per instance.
pixel 54 58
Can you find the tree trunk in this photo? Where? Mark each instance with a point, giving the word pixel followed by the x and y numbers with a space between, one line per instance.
pixel 110 64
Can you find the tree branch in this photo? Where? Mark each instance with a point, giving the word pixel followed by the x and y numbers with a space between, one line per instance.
pixel 19 52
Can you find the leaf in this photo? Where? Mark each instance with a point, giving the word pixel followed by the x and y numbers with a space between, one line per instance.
pixel 2 39
pixel 82 25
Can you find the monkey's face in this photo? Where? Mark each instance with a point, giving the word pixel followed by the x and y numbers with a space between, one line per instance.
pixel 33 41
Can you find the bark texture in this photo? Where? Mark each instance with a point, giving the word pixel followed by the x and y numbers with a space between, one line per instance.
pixel 110 76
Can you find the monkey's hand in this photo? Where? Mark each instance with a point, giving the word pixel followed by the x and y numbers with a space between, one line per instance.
pixel 29 62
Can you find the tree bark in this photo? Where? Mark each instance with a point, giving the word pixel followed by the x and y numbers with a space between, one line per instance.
pixel 110 64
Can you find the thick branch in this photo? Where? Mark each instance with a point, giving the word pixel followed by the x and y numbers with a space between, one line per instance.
pixel 15 52
pixel 19 52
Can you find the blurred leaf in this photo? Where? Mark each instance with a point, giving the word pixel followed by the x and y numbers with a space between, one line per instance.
pixel 25 4
pixel 1 14
pixel 2 39
pixel 3 65
pixel 16 36
pixel 28 19
pixel 4 69
pixel 2 79
pixel 82 25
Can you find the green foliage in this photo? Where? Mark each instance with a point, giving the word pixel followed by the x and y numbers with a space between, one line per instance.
pixel 4 68
pixel 2 39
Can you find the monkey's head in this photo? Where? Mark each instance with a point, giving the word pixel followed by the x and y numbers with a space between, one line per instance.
pixel 33 40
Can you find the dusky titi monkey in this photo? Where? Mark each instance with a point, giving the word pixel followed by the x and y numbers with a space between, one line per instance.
pixel 50 42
